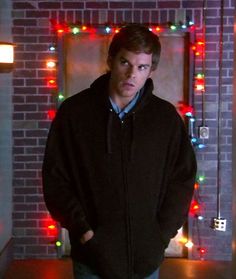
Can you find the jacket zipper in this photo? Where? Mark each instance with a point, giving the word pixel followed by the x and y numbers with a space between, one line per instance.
pixel 128 219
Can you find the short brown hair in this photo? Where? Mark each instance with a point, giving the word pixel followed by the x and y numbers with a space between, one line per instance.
pixel 136 38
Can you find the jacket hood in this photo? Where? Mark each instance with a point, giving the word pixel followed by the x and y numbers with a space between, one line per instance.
pixel 100 86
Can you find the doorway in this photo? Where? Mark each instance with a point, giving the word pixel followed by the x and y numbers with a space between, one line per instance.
pixel 85 59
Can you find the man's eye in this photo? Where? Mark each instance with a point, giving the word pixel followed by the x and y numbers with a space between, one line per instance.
pixel 124 62
pixel 142 67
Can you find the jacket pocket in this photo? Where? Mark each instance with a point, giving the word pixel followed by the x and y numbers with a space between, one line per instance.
pixel 104 252
pixel 149 246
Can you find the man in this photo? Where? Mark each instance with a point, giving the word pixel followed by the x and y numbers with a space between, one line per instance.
pixel 119 168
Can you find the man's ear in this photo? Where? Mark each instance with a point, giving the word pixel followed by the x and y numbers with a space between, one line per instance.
pixel 150 74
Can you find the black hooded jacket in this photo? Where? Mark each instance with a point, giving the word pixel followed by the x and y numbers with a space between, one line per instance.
pixel 130 181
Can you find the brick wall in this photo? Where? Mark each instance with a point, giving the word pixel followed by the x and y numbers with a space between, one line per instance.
pixel 32 34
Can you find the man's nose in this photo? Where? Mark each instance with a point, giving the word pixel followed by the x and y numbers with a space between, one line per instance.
pixel 131 73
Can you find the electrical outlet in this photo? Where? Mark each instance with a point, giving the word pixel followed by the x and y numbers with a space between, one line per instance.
pixel 219 224
pixel 204 132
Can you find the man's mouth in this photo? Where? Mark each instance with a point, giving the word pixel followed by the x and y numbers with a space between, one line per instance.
pixel 128 84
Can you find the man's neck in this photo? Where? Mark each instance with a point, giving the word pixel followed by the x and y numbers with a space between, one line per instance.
pixel 121 102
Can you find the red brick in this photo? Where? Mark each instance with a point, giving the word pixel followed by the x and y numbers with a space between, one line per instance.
pixel 137 16
pixel 18 150
pixel 18 215
pixel 37 47
pixel 78 16
pixel 16 182
pixel 34 182
pixel 36 232
pixel 18 116
pixel 50 240
pixel 24 22
pixel 34 199
pixel 73 5
pixel 23 5
pixel 25 224
pixel 18 134
pixel 50 92
pixel 36 99
pixel 35 82
pixel 37 14
pixel 25 39
pixel 33 166
pixel 95 17
pixel 35 64
pixel 24 174
pixel 49 5
pixel 45 124
pixel 119 16
pixel 38 30
pixel 35 116
pixel 42 142
pixel 18 82
pixel 33 150
pixel 25 107
pixel 24 73
pixel 25 90
pixel 70 16
pixel 44 107
pixel 169 4
pixel 127 16
pixel 45 39
pixel 87 17
pixel 25 141
pixel 121 5
pixel 36 249
pixel 25 207
pixel 18 65
pixel 193 4
pixel 25 158
pixel 163 16
pixel 25 240
pixel 145 16
pixel 144 5
pixel 18 30
pixel 52 250
pixel 17 100
pixel 42 207
pixel 111 16
pixel 36 215
pixel 172 15
pixel 97 5
pixel 213 4
pixel 36 133
pixel 61 16
pixel 17 199
pixel 25 56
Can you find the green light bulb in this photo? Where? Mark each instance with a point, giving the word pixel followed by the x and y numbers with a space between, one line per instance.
pixel 61 97
pixel 201 178
pixel 75 30
pixel 58 243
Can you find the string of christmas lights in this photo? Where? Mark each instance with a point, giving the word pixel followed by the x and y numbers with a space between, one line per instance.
pixel 197 47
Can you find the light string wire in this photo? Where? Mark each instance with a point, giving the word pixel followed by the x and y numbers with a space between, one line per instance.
pixel 219 128
pixel 204 63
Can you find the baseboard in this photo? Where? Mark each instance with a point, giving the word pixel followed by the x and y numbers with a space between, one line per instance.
pixel 6 256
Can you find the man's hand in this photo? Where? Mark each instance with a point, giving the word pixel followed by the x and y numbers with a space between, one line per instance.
pixel 86 236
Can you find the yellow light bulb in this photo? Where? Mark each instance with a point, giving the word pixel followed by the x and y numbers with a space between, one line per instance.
pixel 189 244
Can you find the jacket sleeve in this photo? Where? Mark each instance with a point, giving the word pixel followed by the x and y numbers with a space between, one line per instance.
pixel 180 180
pixel 60 195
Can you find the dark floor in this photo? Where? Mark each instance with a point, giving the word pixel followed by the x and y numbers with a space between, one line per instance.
pixel 171 269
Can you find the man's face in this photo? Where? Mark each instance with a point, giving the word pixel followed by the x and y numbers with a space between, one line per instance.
pixel 129 72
